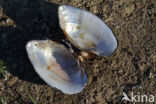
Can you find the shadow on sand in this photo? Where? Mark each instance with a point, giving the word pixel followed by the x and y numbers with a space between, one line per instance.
pixel 35 19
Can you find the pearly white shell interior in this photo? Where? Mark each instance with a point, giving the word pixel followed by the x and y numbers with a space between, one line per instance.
pixel 86 31
pixel 56 66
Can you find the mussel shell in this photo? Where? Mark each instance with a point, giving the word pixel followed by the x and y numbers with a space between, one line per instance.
pixel 86 31
pixel 57 66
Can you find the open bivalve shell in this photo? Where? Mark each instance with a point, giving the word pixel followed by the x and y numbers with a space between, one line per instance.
pixel 86 31
pixel 57 66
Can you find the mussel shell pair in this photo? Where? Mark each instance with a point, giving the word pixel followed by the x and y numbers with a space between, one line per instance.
pixel 55 64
